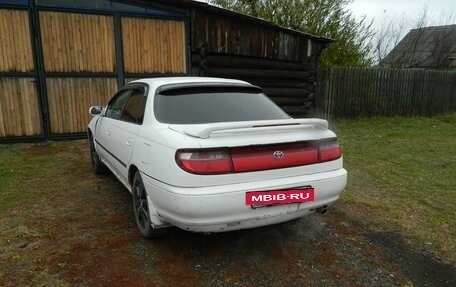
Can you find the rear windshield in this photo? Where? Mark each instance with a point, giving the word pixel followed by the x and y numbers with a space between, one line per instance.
pixel 214 105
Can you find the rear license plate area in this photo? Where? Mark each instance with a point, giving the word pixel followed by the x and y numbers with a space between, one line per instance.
pixel 258 199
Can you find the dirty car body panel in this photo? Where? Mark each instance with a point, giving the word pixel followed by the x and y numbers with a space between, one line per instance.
pixel 207 148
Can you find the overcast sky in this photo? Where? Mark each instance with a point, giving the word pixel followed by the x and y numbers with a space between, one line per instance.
pixel 440 12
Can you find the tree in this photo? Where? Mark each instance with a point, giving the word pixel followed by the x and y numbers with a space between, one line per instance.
pixel 388 37
pixel 328 18
pixel 392 32
pixel 423 46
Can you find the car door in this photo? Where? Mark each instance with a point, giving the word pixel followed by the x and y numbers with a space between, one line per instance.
pixel 125 130
pixel 104 128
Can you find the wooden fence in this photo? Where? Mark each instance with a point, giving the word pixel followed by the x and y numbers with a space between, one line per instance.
pixel 75 42
pixel 56 64
pixel 372 92
pixel 153 45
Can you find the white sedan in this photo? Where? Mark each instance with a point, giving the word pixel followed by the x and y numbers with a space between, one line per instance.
pixel 213 155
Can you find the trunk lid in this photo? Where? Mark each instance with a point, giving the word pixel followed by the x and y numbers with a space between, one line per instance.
pixel 257 150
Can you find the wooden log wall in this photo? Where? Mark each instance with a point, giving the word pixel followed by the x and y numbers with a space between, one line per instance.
pixel 153 46
pixel 19 113
pixel 15 45
pixel 289 84
pixel 73 42
pixel 69 100
pixel 225 35
pixel 280 61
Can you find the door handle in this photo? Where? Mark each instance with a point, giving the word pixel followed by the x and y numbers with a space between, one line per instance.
pixel 108 132
pixel 128 143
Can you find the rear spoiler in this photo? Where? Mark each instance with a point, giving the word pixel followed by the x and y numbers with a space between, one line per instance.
pixel 204 130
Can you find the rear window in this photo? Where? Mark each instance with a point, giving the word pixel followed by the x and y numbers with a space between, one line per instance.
pixel 200 105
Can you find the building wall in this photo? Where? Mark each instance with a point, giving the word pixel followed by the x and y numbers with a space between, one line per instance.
pixel 57 58
pixel 283 63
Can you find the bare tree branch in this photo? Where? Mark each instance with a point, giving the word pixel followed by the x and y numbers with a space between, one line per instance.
pixel 422 47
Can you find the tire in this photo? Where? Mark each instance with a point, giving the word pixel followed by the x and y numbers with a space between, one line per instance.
pixel 97 166
pixel 142 212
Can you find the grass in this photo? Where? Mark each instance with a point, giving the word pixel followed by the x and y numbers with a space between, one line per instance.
pixel 15 169
pixel 402 171
pixel 402 176
pixel 23 167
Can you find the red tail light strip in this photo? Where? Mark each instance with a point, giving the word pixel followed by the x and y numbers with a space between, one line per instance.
pixel 256 158
pixel 252 159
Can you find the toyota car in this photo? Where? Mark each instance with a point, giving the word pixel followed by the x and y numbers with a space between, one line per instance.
pixel 213 155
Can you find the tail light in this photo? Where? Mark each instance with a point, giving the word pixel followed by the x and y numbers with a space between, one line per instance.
pixel 205 161
pixel 273 156
pixel 329 150
pixel 256 158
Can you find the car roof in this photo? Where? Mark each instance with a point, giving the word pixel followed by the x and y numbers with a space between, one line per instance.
pixel 159 81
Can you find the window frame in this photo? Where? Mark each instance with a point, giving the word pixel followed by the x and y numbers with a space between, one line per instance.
pixel 134 91
pixel 114 99
pixel 130 89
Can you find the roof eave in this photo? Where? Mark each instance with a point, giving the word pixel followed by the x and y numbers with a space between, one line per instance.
pixel 190 4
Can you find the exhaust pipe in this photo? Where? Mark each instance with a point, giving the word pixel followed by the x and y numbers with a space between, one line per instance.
pixel 322 210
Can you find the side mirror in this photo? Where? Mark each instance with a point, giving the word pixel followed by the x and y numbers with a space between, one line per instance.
pixel 95 110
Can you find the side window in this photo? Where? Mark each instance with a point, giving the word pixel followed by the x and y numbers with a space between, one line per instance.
pixel 134 108
pixel 116 104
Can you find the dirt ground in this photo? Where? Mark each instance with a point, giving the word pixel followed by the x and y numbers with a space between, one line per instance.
pixel 85 235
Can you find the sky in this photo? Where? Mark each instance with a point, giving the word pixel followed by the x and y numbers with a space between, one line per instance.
pixel 440 12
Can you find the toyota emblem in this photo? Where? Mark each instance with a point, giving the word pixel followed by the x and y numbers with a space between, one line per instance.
pixel 278 154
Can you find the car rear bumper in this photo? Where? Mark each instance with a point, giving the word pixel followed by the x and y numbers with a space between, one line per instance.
pixel 223 208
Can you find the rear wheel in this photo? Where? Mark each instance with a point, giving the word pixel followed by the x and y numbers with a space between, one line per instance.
pixel 97 166
pixel 142 212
